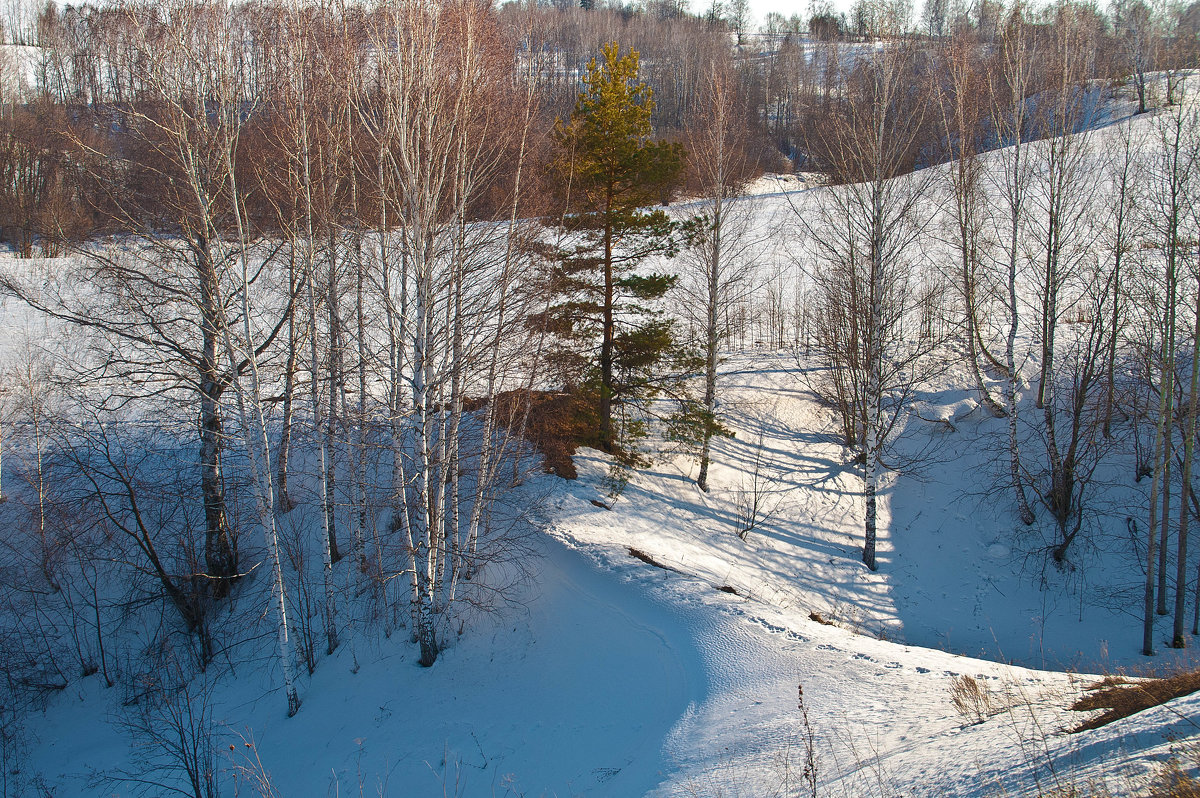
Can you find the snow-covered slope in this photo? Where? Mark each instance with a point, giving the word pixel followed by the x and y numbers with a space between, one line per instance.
pixel 878 686
pixel 619 678
pixel 571 694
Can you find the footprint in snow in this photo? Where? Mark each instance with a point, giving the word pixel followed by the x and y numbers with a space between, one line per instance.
pixel 921 669
pixel 893 665
pixel 864 657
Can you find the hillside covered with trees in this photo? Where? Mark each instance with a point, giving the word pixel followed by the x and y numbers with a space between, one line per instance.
pixel 323 320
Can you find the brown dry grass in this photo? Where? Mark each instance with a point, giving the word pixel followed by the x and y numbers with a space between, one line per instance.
pixel 1175 783
pixel 971 698
pixel 555 423
pixel 1122 698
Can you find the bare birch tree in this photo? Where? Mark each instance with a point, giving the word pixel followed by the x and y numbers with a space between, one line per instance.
pixel 722 242
pixel 444 121
pixel 161 310
pixel 962 120
pixel 1010 117
pixel 866 277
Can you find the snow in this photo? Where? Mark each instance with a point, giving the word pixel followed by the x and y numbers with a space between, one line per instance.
pixel 490 717
pixel 877 686
pixel 614 677
pixel 508 698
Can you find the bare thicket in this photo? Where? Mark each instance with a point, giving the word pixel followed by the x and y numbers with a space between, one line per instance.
pixel 757 499
pixel 173 738
pixel 867 274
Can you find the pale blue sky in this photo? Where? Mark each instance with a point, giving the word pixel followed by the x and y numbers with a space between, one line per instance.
pixel 761 8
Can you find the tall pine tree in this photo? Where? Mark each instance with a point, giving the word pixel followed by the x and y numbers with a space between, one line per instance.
pixel 613 339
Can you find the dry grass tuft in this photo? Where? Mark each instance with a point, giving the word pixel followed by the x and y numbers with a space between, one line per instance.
pixel 971 698
pixel 1175 783
pixel 1123 698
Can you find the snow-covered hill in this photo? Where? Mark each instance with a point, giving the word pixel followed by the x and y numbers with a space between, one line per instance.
pixel 654 650
pixel 616 677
